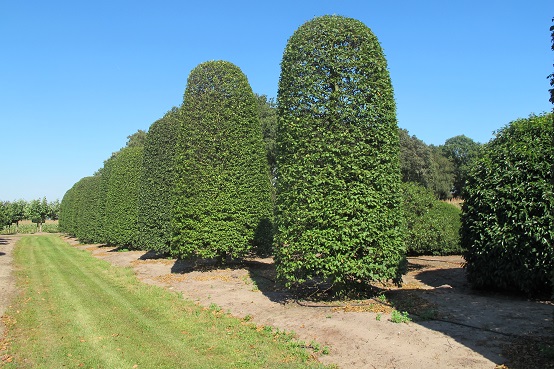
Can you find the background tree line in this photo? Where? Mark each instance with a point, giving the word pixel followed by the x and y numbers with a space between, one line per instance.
pixel 37 211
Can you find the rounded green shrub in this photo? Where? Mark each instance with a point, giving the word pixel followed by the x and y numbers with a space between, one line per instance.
pixel 121 207
pixel 507 222
pixel 338 201
pixel 157 183
pixel 432 226
pixel 223 203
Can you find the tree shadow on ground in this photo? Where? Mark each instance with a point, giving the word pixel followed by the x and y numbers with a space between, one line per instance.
pixel 261 272
pixel 436 296
pixel 2 253
pixel 440 299
pixel 490 323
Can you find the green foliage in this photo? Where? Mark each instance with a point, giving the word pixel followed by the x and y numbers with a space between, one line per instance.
pixel 338 207
pixel 442 177
pixel 17 211
pixel 432 226
pixel 267 110
pixel 507 220
pixel 54 207
pixel 223 202
pixel 157 183
pixel 91 202
pixel 121 207
pixel 68 212
pixel 37 211
pixel 415 159
pixel 81 210
pixel 551 76
pixel 461 150
pixel 400 317
pixel 5 218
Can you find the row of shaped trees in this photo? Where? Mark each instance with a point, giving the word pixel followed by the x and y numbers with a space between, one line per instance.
pixel 337 193
pixel 196 185
pixel 201 185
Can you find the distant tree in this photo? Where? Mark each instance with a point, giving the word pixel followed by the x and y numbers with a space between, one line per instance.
pixel 507 219
pixel 461 150
pixel 37 211
pixel 17 211
pixel 157 184
pixel 224 204
pixel 338 202
pixel 121 207
pixel 54 209
pixel 4 214
pixel 415 159
pixel 441 179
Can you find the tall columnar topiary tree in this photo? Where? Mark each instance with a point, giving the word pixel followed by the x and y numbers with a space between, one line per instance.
pixel 121 207
pixel 89 202
pixel 338 207
pixel 157 183
pixel 223 200
pixel 67 215
pixel 507 219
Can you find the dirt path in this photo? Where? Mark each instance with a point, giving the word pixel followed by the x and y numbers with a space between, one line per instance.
pixel 467 329
pixel 7 279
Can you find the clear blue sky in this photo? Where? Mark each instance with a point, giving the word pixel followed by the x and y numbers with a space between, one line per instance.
pixel 78 77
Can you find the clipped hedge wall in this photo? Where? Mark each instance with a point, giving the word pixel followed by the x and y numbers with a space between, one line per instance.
pixel 432 226
pixel 507 231
pixel 121 207
pixel 338 202
pixel 157 184
pixel 68 210
pixel 223 202
pixel 89 203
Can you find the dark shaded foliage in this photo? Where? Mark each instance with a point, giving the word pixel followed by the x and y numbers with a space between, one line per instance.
pixel 507 220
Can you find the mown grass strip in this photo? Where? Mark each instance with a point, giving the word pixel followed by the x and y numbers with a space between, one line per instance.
pixel 78 311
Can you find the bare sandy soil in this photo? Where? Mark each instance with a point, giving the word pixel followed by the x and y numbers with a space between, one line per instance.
pixel 7 279
pixel 453 326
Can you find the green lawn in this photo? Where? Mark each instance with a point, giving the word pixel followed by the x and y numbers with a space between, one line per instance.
pixel 78 311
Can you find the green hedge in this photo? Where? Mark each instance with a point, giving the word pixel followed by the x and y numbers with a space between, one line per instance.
pixel 121 207
pixel 432 226
pixel 508 217
pixel 338 202
pixel 157 184
pixel 223 202
pixel 68 210
pixel 89 203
